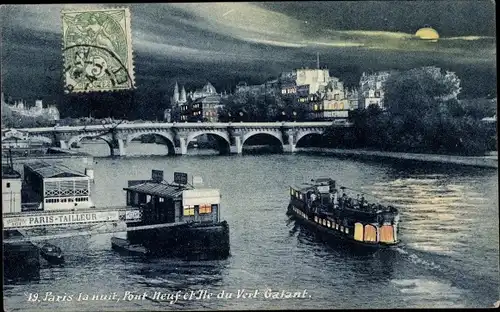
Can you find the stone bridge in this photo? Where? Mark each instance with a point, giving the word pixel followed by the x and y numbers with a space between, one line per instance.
pixel 177 136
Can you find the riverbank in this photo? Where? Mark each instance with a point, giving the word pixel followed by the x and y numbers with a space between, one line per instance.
pixel 476 161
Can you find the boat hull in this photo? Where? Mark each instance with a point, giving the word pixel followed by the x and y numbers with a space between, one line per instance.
pixel 196 240
pixel 333 235
pixel 54 259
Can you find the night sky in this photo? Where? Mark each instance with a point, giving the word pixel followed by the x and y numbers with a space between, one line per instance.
pixel 230 42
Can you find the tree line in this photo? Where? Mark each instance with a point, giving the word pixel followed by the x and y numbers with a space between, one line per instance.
pixel 422 115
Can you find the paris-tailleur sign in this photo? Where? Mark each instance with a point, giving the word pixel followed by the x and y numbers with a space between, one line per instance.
pixel 60 219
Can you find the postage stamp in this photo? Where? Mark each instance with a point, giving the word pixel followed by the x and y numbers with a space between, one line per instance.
pixel 97 50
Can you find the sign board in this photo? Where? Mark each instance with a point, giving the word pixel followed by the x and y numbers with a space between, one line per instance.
pixel 157 175
pixel 180 178
pixel 133 215
pixel 200 196
pixel 60 219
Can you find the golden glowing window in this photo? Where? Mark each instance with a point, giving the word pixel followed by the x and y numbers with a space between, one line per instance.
pixel 188 210
pixel 291 192
pixel 205 208
pixel 328 224
pixel 315 107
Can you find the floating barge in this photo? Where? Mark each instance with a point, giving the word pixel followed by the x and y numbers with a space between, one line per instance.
pixel 319 206
pixel 183 221
pixel 20 258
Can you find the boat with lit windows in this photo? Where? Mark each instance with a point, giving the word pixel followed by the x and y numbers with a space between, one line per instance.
pixel 321 207
pixel 176 220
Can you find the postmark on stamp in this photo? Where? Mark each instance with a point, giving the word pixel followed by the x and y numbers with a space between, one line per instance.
pixel 97 50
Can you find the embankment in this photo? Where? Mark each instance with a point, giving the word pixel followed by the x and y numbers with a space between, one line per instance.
pixel 476 161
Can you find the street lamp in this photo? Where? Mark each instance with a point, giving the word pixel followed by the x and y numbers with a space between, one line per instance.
pixel 294 116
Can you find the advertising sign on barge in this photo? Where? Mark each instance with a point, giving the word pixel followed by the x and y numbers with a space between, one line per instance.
pixel 183 220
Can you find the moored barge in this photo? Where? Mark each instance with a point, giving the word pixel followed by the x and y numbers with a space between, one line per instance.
pixel 319 206
pixel 176 220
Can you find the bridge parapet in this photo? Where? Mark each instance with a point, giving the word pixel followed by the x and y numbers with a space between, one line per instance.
pixel 181 134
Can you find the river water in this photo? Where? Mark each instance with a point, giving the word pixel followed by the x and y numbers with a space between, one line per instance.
pixel 448 257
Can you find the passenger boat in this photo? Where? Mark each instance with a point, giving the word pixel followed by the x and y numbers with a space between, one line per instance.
pixel 52 254
pixel 177 220
pixel 319 206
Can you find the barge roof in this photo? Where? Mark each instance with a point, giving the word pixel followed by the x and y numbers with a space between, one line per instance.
pixel 46 170
pixel 157 189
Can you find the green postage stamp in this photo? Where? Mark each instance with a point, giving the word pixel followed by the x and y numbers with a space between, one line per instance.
pixel 97 49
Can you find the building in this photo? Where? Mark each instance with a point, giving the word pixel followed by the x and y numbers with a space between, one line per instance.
pixel 11 190
pixel 205 109
pixel 371 89
pixel 198 105
pixel 57 187
pixel 352 96
pixel 20 107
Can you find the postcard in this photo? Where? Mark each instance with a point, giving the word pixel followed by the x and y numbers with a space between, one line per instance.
pixel 249 156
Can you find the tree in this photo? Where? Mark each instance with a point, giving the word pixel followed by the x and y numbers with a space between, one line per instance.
pixel 420 90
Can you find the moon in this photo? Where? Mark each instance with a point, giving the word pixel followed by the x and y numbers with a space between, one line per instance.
pixel 428 34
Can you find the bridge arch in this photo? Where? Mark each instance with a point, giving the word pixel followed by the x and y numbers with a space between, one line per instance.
pixel 304 134
pixel 224 140
pixel 250 134
pixel 274 134
pixel 105 138
pixel 169 139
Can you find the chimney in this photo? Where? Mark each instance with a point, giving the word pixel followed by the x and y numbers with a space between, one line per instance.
pixel 317 60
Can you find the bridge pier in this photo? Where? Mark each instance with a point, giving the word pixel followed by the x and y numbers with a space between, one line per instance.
pixel 122 150
pixel 290 147
pixel 63 144
pixel 182 149
pixel 237 148
pixel 118 148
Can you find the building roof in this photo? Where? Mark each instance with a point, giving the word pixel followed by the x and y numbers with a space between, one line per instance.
pixel 46 170
pixel 210 99
pixel 157 189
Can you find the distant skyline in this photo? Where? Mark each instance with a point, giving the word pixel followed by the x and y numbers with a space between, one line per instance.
pixel 225 43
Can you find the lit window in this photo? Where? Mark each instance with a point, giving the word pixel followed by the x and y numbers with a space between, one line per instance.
pixel 189 210
pixel 291 191
pixel 205 208
pixel 161 199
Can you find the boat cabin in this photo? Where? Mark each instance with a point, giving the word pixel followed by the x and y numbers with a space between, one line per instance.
pixel 56 186
pixel 166 203
pixel 321 187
